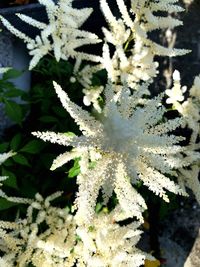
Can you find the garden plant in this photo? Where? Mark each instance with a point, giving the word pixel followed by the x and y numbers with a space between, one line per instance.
pixel 82 200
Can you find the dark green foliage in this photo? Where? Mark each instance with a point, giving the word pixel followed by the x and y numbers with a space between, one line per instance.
pixel 10 96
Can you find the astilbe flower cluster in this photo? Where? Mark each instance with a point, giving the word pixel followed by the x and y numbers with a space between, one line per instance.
pixel 130 141
pixel 133 58
pixel 189 109
pixel 130 144
pixel 61 34
pixel 49 236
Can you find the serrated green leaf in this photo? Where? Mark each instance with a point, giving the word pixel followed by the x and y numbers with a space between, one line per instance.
pixel 11 181
pixel 13 111
pixel 33 147
pixel 20 159
pixel 15 142
pixel 11 74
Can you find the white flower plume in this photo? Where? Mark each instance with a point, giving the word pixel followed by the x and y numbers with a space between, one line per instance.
pixel 61 34
pixel 133 58
pixel 131 143
pixel 189 109
pixel 26 241
pixel 63 243
pixel 105 243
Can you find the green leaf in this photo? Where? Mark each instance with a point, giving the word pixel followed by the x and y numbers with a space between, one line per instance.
pixel 5 204
pixel 11 74
pixel 33 147
pixel 75 170
pixel 20 159
pixel 13 111
pixel 11 181
pixel 15 142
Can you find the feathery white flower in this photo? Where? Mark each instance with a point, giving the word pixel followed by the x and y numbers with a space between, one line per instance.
pixel 133 58
pixel 133 145
pixel 189 109
pixel 105 243
pixel 26 241
pixel 63 243
pixel 61 34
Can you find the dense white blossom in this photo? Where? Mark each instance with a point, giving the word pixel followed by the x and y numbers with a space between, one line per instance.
pixel 189 109
pixel 27 241
pixel 105 243
pixel 133 58
pixel 62 243
pixel 61 34
pixel 132 143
